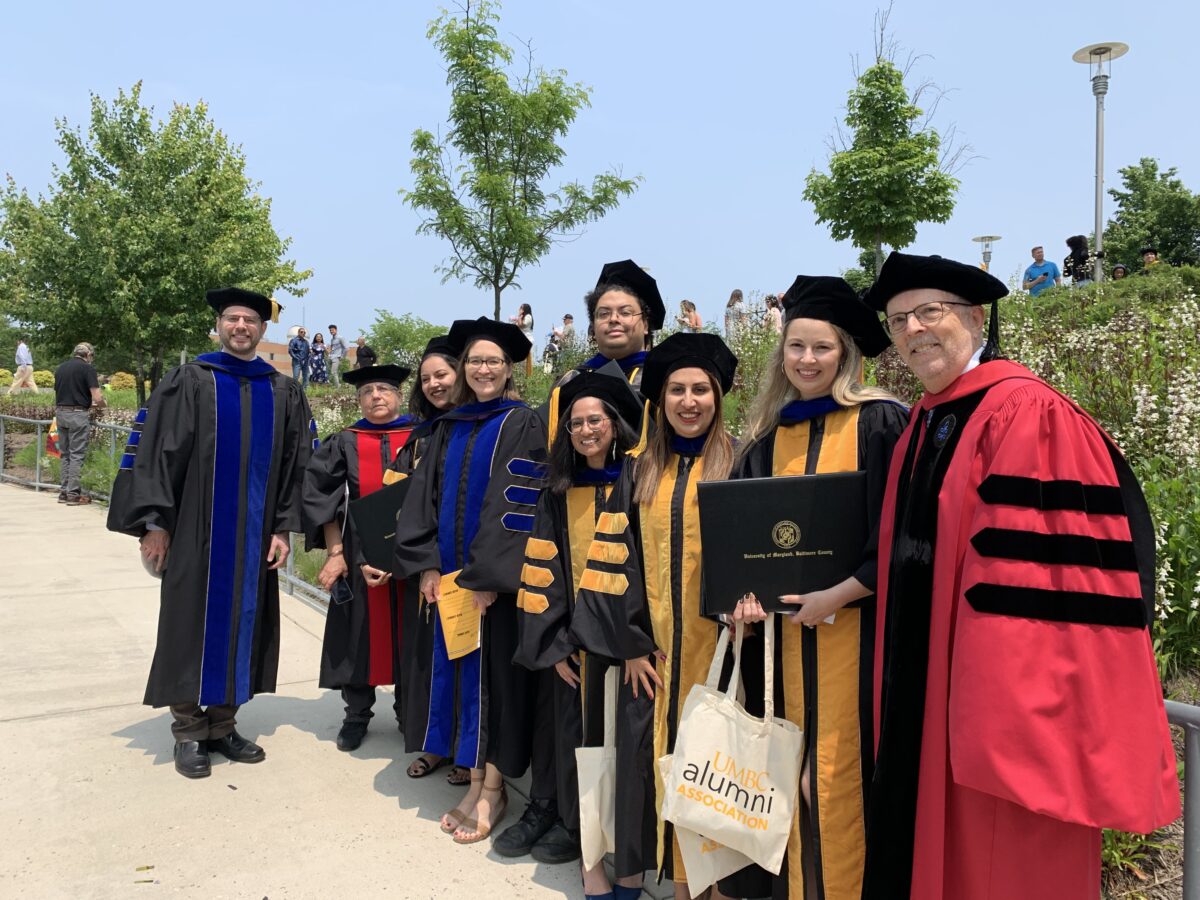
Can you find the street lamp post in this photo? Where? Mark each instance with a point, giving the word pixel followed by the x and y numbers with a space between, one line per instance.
pixel 1098 58
pixel 987 240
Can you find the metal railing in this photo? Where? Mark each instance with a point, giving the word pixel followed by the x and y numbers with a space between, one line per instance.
pixel 314 596
pixel 41 428
pixel 1187 717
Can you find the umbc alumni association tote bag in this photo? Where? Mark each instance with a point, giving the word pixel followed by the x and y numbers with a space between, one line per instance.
pixel 597 775
pixel 734 778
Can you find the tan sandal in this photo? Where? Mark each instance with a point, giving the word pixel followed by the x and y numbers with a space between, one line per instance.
pixel 482 832
pixel 457 816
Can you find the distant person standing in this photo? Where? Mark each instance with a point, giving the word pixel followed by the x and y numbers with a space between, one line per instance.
pixel 1078 264
pixel 774 316
pixel 365 355
pixel 76 391
pixel 317 371
pixel 1120 270
pixel 337 352
pixel 1149 258
pixel 299 351
pixel 735 315
pixel 689 320
pixel 568 331
pixel 524 320
pixel 23 376
pixel 1041 274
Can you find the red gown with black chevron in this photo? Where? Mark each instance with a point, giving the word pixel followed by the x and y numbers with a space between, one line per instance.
pixel 1018 709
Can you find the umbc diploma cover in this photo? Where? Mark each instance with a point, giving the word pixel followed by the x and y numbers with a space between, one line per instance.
pixel 374 517
pixel 783 535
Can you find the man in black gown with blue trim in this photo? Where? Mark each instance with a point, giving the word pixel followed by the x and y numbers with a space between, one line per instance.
pixel 210 484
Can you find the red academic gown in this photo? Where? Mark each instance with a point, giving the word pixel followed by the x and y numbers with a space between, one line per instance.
pixel 1017 705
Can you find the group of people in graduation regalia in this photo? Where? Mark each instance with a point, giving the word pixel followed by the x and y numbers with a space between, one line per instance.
pixel 978 697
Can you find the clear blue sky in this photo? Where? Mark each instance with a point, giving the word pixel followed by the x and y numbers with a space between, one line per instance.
pixel 723 108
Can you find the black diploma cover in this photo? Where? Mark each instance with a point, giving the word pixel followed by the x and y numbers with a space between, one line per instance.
pixel 784 535
pixel 374 519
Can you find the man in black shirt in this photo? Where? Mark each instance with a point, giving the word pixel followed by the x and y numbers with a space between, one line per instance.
pixel 76 391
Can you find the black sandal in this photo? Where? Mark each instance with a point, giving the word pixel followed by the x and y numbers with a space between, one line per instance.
pixel 459 776
pixel 421 766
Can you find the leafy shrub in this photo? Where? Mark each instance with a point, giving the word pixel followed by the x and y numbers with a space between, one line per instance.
pixel 5 377
pixel 1126 351
pixel 43 378
pixel 122 381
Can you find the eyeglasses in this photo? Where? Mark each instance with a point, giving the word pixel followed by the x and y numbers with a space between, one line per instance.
pixel 625 312
pixel 482 362
pixel 926 314
pixel 594 423
pixel 371 389
pixel 233 320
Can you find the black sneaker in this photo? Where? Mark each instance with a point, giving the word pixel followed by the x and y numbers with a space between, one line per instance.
pixel 556 846
pixel 351 736
pixel 518 839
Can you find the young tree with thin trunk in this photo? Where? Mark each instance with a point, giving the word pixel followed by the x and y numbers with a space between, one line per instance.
pixel 483 188
pixel 893 173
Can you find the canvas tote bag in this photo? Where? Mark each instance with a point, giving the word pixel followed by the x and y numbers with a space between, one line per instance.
pixel 597 776
pixel 735 779
pixel 705 861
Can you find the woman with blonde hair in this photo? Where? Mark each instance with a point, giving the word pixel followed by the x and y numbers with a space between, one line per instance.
pixel 639 598
pixel 814 416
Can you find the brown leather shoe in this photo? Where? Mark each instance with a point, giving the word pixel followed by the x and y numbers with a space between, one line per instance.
pixel 78 500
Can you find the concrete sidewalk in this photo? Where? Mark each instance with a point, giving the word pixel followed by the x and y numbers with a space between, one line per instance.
pixel 91 805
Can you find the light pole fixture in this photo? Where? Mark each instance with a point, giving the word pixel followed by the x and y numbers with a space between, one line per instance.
pixel 987 240
pixel 1098 58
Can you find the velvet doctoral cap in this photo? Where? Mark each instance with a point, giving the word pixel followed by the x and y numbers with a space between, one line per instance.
pixel 608 383
pixel 906 272
pixel 441 345
pixel 832 300
pixel 628 274
pixel 389 374
pixel 682 351
pixel 221 299
pixel 506 335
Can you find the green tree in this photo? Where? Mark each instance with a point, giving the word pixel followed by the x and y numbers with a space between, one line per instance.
pixel 401 339
pixel 484 187
pixel 891 175
pixel 1155 208
pixel 140 221
pixel 862 276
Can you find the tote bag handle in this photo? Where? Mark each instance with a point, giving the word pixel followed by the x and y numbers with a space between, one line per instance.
pixel 718 660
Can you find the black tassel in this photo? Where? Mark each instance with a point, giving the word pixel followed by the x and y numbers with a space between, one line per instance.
pixel 991 347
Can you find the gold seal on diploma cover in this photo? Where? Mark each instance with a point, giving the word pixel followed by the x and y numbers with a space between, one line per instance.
pixel 785 534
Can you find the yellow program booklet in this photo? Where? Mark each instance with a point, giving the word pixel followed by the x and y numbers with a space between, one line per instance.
pixel 460 617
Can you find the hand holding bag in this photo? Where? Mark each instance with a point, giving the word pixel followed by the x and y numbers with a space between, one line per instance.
pixel 734 778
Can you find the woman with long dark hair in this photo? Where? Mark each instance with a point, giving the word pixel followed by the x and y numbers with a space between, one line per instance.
pixel 469 513
pixel 639 599
pixel 428 401
pixel 599 416
pixel 813 416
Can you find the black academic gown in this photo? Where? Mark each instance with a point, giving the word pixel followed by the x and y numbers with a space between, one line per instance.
pixel 364 637
pixel 471 509
pixel 823 675
pixel 555 559
pixel 641 592
pixel 216 460
pixel 417 651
